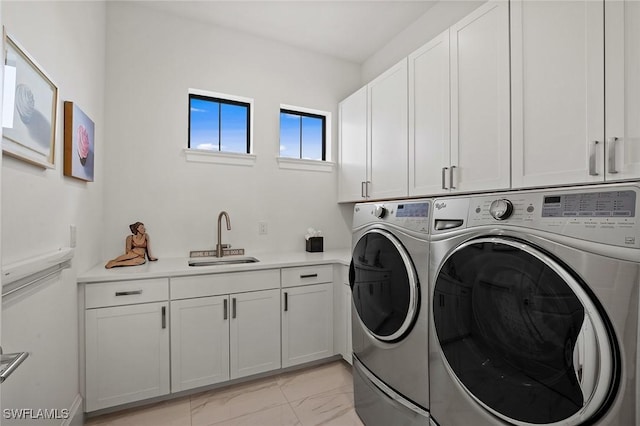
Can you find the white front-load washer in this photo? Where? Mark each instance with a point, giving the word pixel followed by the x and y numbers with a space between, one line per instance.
pixel 388 278
pixel 535 307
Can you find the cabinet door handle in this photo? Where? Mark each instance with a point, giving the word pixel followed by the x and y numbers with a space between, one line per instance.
pixel 164 317
pixel 224 309
pixel 309 276
pixel 444 172
pixel 612 155
pixel 286 301
pixel 128 293
pixel 451 177
pixel 362 189
pixel 233 307
pixel 592 159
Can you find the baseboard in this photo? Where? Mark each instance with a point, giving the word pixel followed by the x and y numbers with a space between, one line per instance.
pixel 76 415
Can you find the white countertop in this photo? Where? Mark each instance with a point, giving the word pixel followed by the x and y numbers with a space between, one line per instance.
pixel 178 266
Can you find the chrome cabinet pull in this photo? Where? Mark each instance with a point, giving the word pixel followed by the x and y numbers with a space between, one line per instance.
pixel 128 293
pixel 612 155
pixel 362 189
pixel 286 301
pixel 12 362
pixel 224 309
pixel 444 172
pixel 451 177
pixel 233 307
pixel 164 317
pixel 592 159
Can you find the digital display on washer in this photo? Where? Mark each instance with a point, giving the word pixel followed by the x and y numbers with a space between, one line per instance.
pixel 413 210
pixel 591 204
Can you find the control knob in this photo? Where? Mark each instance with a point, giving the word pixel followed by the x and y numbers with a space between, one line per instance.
pixel 380 211
pixel 501 209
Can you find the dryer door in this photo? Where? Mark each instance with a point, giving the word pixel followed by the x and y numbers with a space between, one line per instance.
pixel 384 286
pixel 522 335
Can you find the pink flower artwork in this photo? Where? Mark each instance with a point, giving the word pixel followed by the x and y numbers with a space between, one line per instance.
pixel 83 144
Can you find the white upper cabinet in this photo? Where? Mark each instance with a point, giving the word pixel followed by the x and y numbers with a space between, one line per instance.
pixel 622 70
pixel 387 114
pixel 429 116
pixel 373 139
pixel 353 147
pixel 480 116
pixel 557 92
pixel 459 106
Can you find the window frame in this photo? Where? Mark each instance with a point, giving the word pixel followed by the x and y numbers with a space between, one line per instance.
pixel 217 156
pixel 326 132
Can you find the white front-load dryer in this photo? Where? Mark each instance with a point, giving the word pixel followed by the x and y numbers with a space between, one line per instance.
pixel 388 278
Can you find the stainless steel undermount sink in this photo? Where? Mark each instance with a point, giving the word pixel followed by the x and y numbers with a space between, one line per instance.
pixel 231 260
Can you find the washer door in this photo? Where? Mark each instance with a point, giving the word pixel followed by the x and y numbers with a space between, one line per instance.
pixel 522 336
pixel 384 286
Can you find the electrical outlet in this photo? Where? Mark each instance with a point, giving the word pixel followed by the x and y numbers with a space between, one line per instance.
pixel 262 228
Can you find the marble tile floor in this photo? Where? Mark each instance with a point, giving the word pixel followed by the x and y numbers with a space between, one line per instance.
pixel 319 395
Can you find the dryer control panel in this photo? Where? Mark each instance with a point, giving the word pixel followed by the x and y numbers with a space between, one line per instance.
pixel 605 215
pixel 413 215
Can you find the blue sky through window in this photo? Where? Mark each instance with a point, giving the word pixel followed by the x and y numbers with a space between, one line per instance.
pixel 301 136
pixel 218 126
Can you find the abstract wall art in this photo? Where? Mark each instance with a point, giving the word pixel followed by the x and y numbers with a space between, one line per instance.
pixel 31 136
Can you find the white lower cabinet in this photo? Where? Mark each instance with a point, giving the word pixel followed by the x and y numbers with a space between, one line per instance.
pixel 346 298
pixel 215 336
pixel 127 354
pixel 255 332
pixel 342 314
pixel 307 323
pixel 140 343
pixel 199 342
pixel 214 339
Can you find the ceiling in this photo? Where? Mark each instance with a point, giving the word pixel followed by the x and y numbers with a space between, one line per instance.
pixel 350 29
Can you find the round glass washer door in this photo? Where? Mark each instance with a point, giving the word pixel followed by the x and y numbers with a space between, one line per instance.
pixel 522 336
pixel 384 286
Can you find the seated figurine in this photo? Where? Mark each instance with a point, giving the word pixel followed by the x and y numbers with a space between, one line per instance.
pixel 137 248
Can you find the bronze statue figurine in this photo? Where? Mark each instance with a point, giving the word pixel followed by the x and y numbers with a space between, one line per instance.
pixel 137 248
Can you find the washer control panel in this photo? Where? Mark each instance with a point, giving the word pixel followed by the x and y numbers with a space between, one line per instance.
pixel 595 214
pixel 413 215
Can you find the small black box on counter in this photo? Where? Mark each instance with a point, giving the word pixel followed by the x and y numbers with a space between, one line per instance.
pixel 314 244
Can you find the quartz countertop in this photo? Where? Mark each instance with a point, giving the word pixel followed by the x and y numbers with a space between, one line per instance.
pixel 178 266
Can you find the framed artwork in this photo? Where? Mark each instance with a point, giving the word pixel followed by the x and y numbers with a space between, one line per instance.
pixel 79 143
pixel 32 136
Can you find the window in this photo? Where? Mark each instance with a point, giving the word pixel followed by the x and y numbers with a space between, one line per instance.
pixel 303 134
pixel 219 123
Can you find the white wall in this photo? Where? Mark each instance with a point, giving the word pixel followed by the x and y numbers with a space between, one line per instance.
pixel 67 39
pixel 437 19
pixel 152 60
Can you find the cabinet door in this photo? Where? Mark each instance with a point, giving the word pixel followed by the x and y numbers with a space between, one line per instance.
pixel 307 323
pixel 199 342
pixel 352 155
pixel 347 300
pixel 622 70
pixel 429 127
pixel 480 116
pixel 255 332
pixel 558 92
pixel 127 354
pixel 388 133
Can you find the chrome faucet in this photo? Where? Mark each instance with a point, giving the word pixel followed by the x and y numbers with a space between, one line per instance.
pixel 219 247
